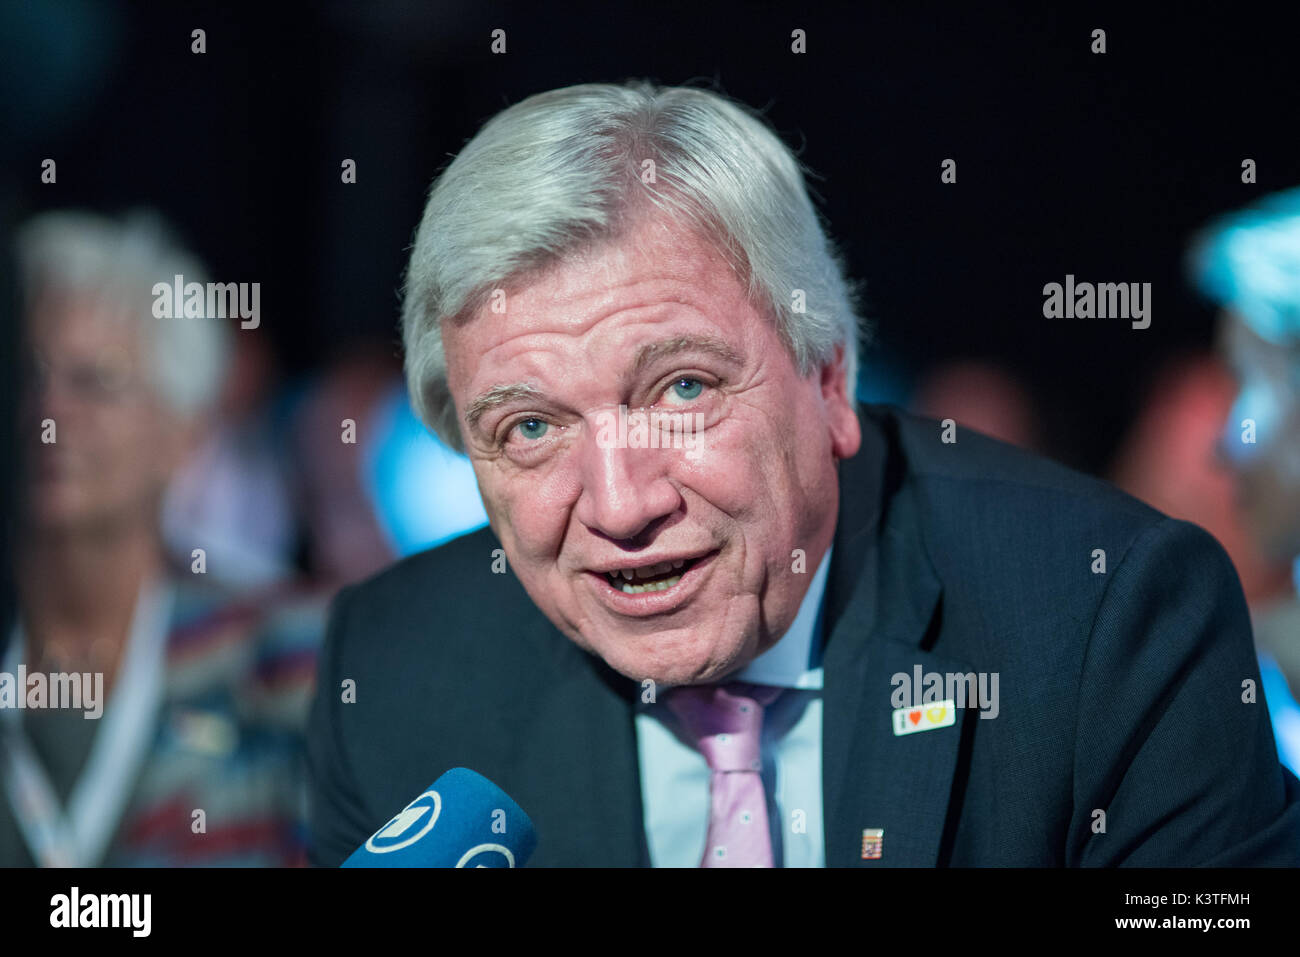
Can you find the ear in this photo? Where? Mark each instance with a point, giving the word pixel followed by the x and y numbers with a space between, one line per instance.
pixel 841 419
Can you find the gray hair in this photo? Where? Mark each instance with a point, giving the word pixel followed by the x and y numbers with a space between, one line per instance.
pixel 562 170
pixel 119 261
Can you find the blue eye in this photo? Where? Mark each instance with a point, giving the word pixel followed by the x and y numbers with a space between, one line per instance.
pixel 533 428
pixel 688 388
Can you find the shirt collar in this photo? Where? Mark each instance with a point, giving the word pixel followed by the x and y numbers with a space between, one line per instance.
pixel 795 660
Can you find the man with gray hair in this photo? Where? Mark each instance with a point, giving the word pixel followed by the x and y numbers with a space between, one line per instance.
pixel 721 612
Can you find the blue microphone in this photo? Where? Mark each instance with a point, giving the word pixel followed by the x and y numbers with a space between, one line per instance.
pixel 461 820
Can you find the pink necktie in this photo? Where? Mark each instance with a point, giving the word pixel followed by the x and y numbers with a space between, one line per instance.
pixel 726 722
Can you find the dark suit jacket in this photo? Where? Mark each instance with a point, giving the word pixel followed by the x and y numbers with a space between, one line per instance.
pixel 1120 692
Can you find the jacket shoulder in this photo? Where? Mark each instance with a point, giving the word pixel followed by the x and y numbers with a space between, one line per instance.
pixel 1029 543
pixel 466 580
pixel 453 610
pixel 978 495
pixel 977 464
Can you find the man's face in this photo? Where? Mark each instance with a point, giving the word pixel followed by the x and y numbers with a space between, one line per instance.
pixel 658 323
pixel 1267 469
pixel 114 445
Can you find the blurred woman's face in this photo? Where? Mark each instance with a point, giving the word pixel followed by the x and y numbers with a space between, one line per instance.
pixel 98 442
pixel 1267 410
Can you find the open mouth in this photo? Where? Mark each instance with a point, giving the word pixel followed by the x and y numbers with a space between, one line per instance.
pixel 647 578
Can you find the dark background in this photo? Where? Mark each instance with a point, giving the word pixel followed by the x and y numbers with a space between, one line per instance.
pixel 1068 162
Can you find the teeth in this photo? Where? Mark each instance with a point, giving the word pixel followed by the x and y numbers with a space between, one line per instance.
pixel 629 589
pixel 624 578
pixel 654 571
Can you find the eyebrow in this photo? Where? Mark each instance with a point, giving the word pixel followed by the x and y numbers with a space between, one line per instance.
pixel 646 356
pixel 495 397
pixel 652 352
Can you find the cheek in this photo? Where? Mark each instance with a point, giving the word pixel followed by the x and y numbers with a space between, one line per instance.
pixel 143 440
pixel 726 473
pixel 114 447
pixel 139 449
pixel 529 523
pixel 746 480
pixel 755 464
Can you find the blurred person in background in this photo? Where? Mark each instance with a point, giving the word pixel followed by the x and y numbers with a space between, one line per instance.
pixel 232 492
pixel 196 757
pixel 328 432
pixel 981 396
pixel 373 483
pixel 1249 263
pixel 1170 459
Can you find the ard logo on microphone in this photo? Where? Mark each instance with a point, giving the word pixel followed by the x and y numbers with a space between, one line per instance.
pixel 417 819
pixel 461 820
pixel 409 824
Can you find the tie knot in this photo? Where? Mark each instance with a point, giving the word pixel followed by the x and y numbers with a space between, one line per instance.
pixel 726 721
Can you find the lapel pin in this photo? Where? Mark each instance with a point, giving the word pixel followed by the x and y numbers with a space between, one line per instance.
pixel 873 841
pixel 926 717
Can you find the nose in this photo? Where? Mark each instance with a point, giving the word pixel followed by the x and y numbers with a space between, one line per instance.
pixel 624 491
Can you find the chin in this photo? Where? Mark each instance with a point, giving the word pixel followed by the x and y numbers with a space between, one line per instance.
pixel 699 664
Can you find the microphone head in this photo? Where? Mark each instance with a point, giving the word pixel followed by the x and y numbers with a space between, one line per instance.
pixel 461 820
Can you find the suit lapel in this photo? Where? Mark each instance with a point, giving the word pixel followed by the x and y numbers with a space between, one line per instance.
pixel 882 602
